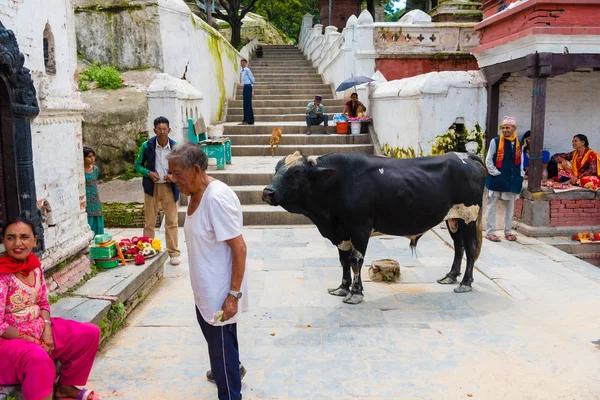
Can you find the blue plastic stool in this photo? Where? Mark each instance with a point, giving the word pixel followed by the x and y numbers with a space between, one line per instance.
pixel 215 150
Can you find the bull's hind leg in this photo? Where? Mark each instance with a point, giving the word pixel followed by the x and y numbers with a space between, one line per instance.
pixel 344 288
pixel 471 243
pixel 455 233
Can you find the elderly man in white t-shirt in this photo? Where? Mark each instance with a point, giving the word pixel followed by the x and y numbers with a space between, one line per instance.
pixel 217 262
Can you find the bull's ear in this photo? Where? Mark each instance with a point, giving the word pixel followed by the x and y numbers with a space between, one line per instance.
pixel 323 173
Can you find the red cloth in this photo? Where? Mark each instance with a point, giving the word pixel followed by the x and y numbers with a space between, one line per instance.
pixel 9 265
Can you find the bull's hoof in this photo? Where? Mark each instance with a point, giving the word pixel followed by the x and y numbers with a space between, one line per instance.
pixel 354 298
pixel 339 291
pixel 447 280
pixel 463 289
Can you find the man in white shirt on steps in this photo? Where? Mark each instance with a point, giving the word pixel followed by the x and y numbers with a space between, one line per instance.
pixel 217 262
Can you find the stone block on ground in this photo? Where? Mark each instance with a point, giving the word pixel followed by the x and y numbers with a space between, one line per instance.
pixel 81 309
pixel 384 271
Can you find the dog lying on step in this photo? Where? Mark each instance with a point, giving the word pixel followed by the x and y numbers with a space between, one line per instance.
pixel 275 139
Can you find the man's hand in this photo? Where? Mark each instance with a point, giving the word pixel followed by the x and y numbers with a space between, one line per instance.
pixel 229 307
pixel 168 178
pixel 253 93
pixel 48 339
pixel 154 176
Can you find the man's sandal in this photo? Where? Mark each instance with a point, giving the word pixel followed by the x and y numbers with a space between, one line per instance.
pixel 492 237
pixel 511 237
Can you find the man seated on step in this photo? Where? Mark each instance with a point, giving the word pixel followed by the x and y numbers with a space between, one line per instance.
pixel 314 115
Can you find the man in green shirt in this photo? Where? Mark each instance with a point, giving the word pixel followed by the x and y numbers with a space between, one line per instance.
pixel 314 115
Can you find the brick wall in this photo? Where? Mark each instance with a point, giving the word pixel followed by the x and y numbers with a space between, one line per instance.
pixel 574 212
pixel 399 68
pixel 59 280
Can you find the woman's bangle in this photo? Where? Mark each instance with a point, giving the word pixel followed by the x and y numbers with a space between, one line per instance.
pixel 47 321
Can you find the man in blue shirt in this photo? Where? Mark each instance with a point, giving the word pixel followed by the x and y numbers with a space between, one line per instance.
pixel 314 115
pixel 247 82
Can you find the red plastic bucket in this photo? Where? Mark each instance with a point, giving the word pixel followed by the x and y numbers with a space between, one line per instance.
pixel 341 128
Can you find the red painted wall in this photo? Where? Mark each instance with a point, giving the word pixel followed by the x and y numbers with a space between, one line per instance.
pixel 398 68
pixel 574 212
pixel 341 10
pixel 564 17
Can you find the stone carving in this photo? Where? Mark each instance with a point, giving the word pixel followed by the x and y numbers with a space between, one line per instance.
pixel 24 106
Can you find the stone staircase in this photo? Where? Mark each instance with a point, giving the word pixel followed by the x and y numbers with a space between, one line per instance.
pixel 285 83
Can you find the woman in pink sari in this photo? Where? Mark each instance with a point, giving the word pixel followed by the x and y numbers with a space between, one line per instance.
pixel 30 339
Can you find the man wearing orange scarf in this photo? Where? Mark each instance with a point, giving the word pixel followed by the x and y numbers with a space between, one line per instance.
pixel 504 163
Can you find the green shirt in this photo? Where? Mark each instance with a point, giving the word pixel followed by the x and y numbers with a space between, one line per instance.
pixel 319 109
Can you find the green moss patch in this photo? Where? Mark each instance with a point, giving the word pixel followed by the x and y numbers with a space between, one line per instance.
pixel 120 215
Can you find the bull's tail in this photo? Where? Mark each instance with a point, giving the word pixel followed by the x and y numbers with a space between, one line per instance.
pixel 479 227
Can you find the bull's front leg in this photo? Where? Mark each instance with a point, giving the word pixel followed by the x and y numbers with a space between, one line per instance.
pixel 344 288
pixel 356 291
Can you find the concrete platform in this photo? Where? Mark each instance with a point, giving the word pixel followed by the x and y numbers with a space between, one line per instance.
pixel 529 330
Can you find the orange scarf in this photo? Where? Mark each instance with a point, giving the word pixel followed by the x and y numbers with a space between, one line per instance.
pixel 9 265
pixel 500 153
pixel 588 156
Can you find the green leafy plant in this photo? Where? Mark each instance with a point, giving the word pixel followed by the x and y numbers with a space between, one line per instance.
pixel 105 76
pixel 83 86
pixel 129 174
pixel 401 152
pixel 455 138
pixel 53 299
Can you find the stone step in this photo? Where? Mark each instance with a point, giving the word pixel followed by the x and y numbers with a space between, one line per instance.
pixel 283 97
pixel 242 178
pixel 299 102
pixel 275 111
pixel 285 76
pixel 299 139
pixel 271 118
pixel 255 214
pixel 259 91
pixel 308 150
pixel 315 86
pixel 266 66
pixel 279 70
pixel 287 129
pixel 250 194
pixel 283 79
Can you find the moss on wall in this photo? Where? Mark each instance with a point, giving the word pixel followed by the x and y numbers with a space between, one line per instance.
pixel 119 215
pixel 113 8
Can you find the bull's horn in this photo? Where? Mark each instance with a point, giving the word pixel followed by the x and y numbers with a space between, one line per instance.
pixel 312 160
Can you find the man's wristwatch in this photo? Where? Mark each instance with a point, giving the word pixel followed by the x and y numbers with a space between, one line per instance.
pixel 237 295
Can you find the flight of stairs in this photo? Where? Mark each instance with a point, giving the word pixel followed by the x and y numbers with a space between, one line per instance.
pixel 285 83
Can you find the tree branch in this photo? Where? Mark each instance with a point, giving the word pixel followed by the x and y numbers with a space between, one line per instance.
pixel 247 9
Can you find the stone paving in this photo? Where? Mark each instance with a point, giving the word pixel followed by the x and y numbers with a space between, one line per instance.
pixel 529 330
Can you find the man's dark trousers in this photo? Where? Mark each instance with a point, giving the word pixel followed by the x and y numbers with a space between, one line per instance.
pixel 224 357
pixel 248 112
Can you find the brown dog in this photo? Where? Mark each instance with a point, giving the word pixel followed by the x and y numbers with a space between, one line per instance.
pixel 275 139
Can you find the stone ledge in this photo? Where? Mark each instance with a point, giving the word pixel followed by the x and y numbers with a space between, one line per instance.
pixel 128 284
pixel 545 231
pixel 548 194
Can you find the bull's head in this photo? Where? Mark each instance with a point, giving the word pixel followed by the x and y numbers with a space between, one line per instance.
pixel 296 177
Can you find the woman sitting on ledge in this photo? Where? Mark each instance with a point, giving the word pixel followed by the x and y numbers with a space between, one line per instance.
pixel 579 167
pixel 30 340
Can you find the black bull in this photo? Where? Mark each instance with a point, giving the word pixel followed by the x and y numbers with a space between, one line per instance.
pixel 348 195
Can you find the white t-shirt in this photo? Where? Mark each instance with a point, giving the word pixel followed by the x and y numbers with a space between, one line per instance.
pixel 218 218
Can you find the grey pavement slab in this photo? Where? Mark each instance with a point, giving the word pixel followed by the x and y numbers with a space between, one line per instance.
pixel 529 329
pixel 81 309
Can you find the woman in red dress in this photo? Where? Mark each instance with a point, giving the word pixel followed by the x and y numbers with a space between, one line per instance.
pixel 580 166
